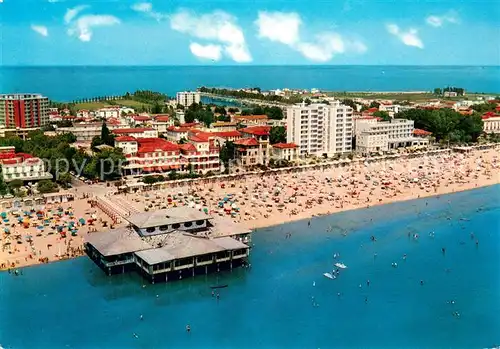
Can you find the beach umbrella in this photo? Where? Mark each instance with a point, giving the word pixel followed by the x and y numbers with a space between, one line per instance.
pixel 6 230
pixel 3 214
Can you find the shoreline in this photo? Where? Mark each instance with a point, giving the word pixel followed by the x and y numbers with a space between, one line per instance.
pixel 256 202
pixel 395 201
pixel 295 220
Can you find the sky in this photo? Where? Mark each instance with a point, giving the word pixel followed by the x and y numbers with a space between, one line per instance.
pixel 249 32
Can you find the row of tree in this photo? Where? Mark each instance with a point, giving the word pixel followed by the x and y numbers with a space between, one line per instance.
pixel 250 95
pixel 274 113
pixel 446 124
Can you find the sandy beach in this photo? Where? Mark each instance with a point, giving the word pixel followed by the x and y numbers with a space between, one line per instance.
pixel 258 202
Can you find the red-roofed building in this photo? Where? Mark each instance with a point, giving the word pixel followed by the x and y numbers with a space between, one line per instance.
pixel 161 123
pixel 157 155
pixel 176 133
pixel 491 122
pixel 141 119
pixel 21 166
pixel 285 151
pixel 251 156
pixel 247 152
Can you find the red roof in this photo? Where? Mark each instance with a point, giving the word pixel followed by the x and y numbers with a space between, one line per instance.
pixel 198 139
pixel 246 142
pixel 141 118
pixel 162 118
pixel 125 139
pixel 489 114
pixel 149 145
pixel 131 130
pixel 178 129
pixel 419 132
pixel 257 130
pixel 190 124
pixel 372 110
pixel 228 134
pixel 187 147
pixel 285 145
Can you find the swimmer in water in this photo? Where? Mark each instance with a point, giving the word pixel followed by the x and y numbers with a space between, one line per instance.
pixel 443 250
pixel 421 282
pixel 188 328
pixel 135 335
pixel 404 257
pixel 141 317
pixel 367 282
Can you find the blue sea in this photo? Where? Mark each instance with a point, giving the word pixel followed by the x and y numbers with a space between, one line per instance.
pixel 75 82
pixel 283 300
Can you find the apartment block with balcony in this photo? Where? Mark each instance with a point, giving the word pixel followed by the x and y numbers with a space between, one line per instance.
pixel 23 110
pixel 187 98
pixel 319 129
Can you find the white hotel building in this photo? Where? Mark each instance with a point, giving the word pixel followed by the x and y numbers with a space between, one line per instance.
pixel 384 135
pixel 320 129
pixel 188 98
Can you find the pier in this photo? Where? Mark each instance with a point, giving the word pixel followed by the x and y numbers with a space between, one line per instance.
pixel 170 244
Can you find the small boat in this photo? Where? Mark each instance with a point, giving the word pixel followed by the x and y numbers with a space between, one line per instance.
pixel 340 265
pixel 218 286
pixel 330 276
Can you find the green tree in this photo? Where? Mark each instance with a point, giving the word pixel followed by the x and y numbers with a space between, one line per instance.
pixel 438 92
pixel 3 187
pixel 156 109
pixel 172 175
pixel 46 186
pixel 374 104
pixel 227 153
pixel 96 141
pixel 350 103
pixel 64 179
pixel 274 113
pixel 15 184
pixel 106 136
pixel 277 134
pixel 383 115
pixel 220 110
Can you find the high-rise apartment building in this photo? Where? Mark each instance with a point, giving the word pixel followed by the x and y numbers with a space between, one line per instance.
pixel 23 110
pixel 320 129
pixel 188 98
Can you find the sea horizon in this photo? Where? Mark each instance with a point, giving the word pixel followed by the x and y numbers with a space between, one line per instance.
pixel 283 300
pixel 67 83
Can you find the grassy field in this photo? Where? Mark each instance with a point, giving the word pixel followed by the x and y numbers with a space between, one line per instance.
pixel 123 102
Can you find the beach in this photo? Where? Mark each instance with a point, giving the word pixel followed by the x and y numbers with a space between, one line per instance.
pixel 256 202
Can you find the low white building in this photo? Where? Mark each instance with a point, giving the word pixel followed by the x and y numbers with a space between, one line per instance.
pixel 285 151
pixel 187 98
pixel 384 135
pixel 108 112
pixel 491 122
pixel 136 132
pixel 21 166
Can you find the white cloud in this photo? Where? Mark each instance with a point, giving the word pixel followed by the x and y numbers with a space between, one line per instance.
pixel 147 9
pixel 409 38
pixel 210 51
pixel 71 13
pixel 40 29
pixel 284 27
pixel 278 26
pixel 218 27
pixel 84 24
pixel 438 21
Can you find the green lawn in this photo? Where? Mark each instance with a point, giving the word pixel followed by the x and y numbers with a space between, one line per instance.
pixel 123 102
